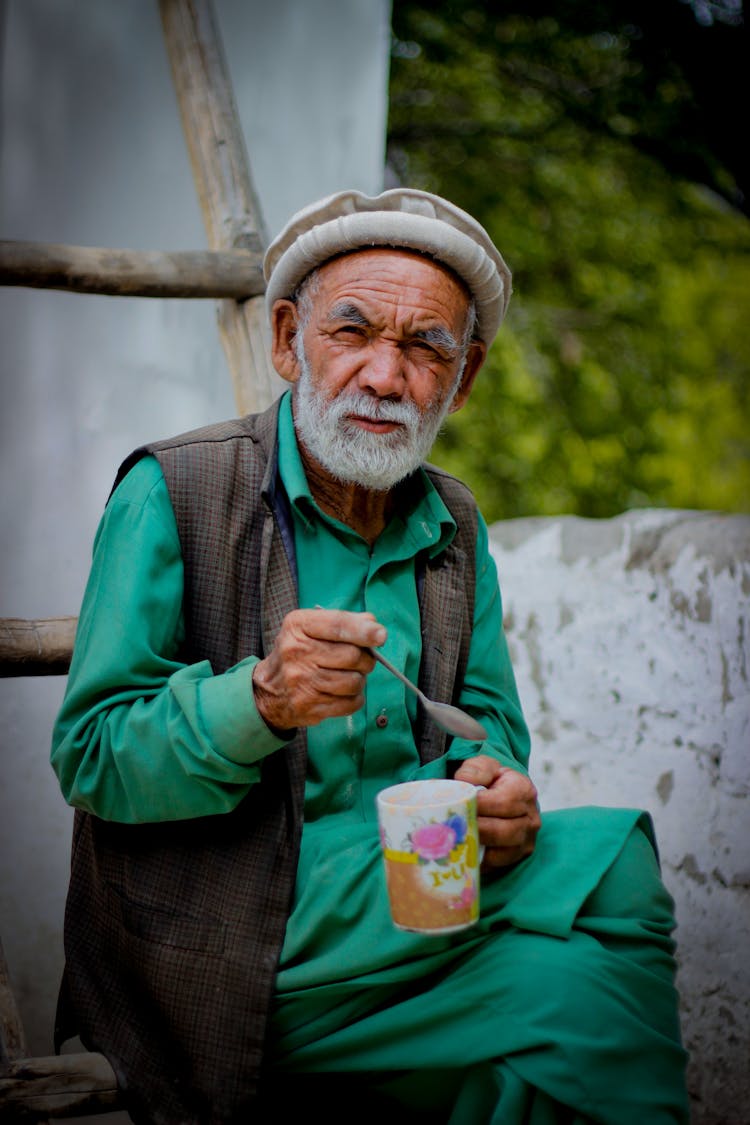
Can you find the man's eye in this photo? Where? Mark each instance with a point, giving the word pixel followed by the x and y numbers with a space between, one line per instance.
pixel 351 330
pixel 422 348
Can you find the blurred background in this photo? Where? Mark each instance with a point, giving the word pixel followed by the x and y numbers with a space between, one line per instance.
pixel 602 142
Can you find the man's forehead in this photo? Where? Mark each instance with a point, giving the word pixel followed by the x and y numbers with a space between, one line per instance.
pixel 405 272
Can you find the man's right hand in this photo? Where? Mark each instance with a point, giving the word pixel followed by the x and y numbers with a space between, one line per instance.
pixel 317 667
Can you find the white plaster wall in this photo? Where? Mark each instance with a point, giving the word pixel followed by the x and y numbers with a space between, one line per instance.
pixel 92 152
pixel 631 638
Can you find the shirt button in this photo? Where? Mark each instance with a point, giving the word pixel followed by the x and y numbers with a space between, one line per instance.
pixel 382 720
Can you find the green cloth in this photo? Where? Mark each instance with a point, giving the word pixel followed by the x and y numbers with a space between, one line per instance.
pixel 516 1020
pixel 350 759
pixel 141 737
pixel 561 995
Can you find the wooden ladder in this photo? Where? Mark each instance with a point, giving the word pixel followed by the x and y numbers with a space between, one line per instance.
pixel 36 1089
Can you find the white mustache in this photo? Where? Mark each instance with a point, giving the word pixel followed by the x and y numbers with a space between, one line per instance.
pixel 375 410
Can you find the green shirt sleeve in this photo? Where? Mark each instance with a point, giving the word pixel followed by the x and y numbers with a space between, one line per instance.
pixel 489 692
pixel 141 736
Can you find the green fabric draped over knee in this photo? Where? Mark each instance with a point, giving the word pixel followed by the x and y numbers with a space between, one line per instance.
pixel 561 1010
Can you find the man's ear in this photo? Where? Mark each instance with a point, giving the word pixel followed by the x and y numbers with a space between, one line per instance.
pixel 474 359
pixel 284 328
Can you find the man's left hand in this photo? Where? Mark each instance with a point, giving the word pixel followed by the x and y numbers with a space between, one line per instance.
pixel 508 816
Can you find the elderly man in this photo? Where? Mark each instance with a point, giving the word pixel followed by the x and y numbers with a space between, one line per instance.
pixel 225 732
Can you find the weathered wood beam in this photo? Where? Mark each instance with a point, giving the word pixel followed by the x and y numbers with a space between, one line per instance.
pixel 133 273
pixel 231 212
pixel 36 648
pixel 57 1086
pixel 12 1038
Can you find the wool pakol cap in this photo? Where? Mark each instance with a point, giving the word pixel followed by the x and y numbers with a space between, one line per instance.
pixel 402 218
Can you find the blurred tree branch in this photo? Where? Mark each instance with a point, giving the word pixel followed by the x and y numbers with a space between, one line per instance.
pixel 668 77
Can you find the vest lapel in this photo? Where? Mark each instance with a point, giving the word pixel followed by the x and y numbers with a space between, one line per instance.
pixel 443 610
pixel 278 589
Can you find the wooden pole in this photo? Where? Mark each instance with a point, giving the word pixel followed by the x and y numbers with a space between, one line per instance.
pixel 231 212
pixel 57 1086
pixel 12 1038
pixel 132 273
pixel 36 648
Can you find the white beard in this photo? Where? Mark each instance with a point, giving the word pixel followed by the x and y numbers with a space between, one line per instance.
pixel 357 456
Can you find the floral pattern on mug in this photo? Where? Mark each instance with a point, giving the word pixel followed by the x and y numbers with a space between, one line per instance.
pixel 467 896
pixel 459 826
pixel 436 841
pixel 433 841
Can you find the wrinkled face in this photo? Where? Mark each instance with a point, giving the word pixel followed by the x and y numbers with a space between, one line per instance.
pixel 378 353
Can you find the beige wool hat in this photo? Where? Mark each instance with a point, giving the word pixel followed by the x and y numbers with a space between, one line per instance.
pixel 403 218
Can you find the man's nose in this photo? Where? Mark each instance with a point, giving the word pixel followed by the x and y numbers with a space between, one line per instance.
pixel 383 371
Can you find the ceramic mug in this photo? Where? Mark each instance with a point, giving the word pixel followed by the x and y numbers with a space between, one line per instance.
pixel 431 853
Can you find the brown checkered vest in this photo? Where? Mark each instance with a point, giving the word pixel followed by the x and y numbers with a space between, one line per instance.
pixel 173 930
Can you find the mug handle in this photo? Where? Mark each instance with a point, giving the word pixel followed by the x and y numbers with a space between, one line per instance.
pixel 481 846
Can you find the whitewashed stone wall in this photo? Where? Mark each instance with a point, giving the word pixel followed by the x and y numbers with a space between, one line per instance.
pixel 630 638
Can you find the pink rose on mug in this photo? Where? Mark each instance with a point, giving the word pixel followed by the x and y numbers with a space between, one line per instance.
pixel 433 841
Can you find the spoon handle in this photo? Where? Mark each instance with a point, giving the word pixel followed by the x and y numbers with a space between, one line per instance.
pixel 399 675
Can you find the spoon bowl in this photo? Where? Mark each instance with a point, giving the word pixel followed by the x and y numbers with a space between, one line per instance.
pixel 447 717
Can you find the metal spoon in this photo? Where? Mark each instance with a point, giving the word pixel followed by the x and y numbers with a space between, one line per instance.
pixel 450 718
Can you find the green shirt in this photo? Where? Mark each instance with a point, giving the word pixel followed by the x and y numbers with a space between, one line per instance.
pixel 142 737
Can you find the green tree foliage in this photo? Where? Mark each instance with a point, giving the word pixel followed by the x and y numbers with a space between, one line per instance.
pixel 620 378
